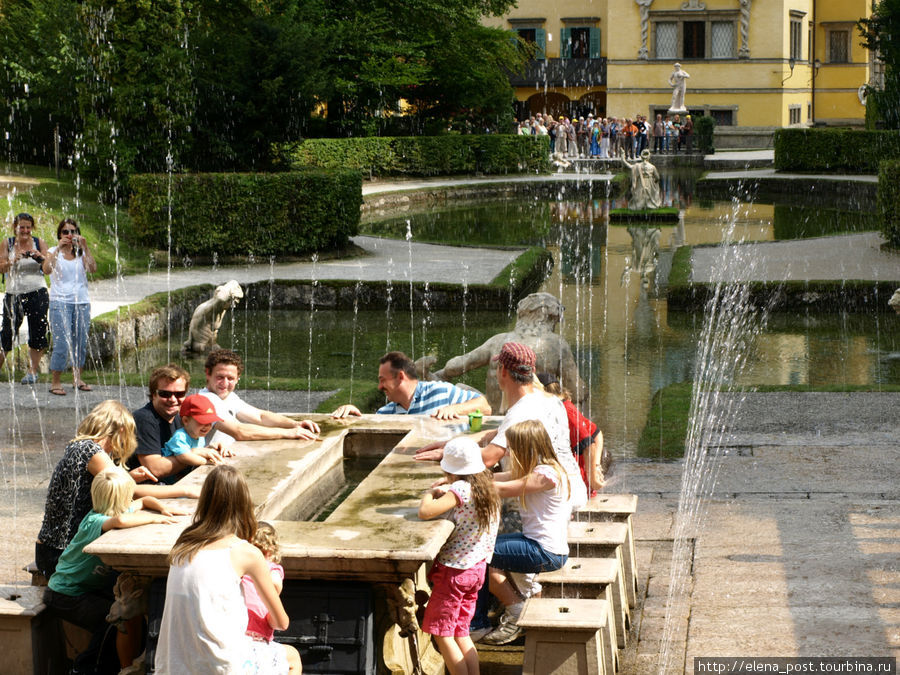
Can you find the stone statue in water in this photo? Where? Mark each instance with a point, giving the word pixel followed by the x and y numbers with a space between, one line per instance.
pixel 894 302
pixel 207 318
pixel 645 253
pixel 645 192
pixel 677 80
pixel 537 317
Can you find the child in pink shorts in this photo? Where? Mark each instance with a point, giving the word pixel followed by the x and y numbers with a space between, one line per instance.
pixel 467 492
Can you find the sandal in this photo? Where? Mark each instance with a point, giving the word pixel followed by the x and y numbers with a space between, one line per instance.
pixel 84 386
pixel 58 391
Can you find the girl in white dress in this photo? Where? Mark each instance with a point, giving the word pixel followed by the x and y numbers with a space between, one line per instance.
pixel 204 622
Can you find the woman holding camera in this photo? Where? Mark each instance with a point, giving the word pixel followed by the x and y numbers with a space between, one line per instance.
pixel 68 264
pixel 26 293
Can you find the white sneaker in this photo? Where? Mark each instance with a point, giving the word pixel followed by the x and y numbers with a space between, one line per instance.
pixel 508 631
pixel 479 633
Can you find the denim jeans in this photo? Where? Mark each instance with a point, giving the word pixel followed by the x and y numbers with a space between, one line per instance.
pixel 69 324
pixel 514 552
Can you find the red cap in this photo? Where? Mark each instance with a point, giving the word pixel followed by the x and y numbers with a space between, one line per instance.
pixel 517 357
pixel 200 408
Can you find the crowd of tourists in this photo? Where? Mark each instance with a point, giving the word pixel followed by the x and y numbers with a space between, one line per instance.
pixel 509 492
pixel 608 137
pixel 26 261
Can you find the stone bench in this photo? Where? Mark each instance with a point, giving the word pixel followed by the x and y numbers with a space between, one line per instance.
pixel 37 579
pixel 31 640
pixel 617 508
pixel 604 539
pixel 592 578
pixel 565 635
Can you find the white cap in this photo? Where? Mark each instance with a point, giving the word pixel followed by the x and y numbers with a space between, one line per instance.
pixel 462 457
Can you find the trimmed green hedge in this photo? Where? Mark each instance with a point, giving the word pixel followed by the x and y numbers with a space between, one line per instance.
pixel 238 214
pixel 704 130
pixel 834 150
pixel 889 200
pixel 421 155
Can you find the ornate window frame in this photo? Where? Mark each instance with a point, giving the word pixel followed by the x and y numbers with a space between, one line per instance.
pixel 795 33
pixel 832 28
pixel 709 16
pixel 540 33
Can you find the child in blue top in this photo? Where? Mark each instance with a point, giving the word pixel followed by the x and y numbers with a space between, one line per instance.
pixel 80 590
pixel 188 443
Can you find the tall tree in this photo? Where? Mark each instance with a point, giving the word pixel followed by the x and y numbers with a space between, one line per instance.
pixel 256 73
pixel 434 54
pixel 881 34
pixel 135 95
pixel 39 65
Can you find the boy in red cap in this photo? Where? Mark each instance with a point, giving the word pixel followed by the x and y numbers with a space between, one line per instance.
pixel 187 443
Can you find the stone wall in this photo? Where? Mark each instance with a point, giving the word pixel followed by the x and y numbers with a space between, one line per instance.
pixel 153 317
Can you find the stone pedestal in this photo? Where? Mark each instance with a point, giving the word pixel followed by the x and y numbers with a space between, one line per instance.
pixel 564 636
pixel 595 540
pixel 616 508
pixel 592 579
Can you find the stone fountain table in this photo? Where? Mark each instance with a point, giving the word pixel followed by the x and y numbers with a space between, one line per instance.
pixel 375 533
pixel 373 536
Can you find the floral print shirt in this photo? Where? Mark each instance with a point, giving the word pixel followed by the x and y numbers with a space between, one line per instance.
pixel 69 494
pixel 467 546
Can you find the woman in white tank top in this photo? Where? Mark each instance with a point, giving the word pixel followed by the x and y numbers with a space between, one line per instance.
pixel 68 265
pixel 204 621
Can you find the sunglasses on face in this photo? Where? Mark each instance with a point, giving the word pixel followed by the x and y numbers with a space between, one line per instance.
pixel 163 393
pixel 62 232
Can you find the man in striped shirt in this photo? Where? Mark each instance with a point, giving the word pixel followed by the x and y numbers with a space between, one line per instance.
pixel 407 395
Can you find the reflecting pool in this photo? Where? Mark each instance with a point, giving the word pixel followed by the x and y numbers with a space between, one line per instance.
pixel 628 345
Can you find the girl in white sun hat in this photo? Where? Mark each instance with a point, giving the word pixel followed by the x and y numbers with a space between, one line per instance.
pixel 468 495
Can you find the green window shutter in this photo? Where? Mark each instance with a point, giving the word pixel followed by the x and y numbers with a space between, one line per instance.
pixel 540 40
pixel 565 43
pixel 595 43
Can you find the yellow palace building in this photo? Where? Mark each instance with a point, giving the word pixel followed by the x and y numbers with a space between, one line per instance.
pixel 754 65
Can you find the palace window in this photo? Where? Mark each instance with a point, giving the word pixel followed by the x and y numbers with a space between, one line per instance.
pixel 694 35
pixel 796 39
pixel 667 40
pixel 794 114
pixel 839 46
pixel 538 37
pixel 722 40
pixel 579 42
pixel 694 39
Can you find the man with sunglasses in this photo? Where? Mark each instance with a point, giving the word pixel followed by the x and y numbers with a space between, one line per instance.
pixel 158 420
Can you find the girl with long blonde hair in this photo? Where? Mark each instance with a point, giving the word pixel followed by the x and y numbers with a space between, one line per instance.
pixel 541 485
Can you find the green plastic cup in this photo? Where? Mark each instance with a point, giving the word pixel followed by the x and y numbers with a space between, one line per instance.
pixel 475 420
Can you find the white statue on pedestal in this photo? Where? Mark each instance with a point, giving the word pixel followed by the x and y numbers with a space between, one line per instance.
pixel 679 86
